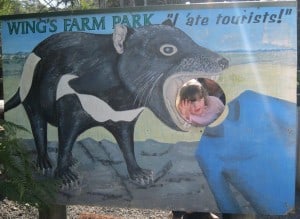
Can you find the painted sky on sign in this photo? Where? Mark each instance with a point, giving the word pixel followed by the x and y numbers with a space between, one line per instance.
pixel 219 29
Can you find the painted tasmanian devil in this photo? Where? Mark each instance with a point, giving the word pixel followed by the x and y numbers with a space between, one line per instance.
pixel 76 81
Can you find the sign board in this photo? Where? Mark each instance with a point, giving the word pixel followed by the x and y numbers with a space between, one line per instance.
pixel 186 107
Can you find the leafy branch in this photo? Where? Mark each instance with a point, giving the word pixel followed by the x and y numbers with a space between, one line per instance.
pixel 19 178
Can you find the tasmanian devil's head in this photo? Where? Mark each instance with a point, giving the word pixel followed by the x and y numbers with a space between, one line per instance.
pixel 156 60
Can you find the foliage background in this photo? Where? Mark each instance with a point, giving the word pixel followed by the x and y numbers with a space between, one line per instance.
pixel 19 179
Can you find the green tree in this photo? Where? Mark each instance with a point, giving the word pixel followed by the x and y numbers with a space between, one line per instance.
pixel 9 7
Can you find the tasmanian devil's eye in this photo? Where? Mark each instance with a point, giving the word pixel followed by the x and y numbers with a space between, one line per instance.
pixel 168 49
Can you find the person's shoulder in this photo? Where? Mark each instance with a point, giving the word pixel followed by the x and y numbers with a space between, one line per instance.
pixel 214 99
pixel 215 102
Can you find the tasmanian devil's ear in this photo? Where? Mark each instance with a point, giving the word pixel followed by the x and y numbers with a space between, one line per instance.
pixel 119 36
pixel 168 22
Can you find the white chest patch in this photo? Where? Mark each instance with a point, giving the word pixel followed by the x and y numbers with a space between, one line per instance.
pixel 95 107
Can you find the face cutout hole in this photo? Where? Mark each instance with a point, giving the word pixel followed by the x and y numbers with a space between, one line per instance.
pixel 200 102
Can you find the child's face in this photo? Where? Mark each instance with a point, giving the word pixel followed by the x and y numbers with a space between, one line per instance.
pixel 197 107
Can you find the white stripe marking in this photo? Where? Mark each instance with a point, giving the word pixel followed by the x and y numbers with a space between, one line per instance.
pixel 95 107
pixel 27 75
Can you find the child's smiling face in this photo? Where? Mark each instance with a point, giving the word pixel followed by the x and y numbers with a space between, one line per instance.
pixel 197 106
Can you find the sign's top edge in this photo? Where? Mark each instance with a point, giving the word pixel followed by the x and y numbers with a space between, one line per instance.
pixel 207 5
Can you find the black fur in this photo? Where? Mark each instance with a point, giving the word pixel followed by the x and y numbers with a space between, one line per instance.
pixel 124 80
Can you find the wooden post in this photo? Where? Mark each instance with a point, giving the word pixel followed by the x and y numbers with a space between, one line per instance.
pixel 53 212
pixel 298 154
pixel 298 99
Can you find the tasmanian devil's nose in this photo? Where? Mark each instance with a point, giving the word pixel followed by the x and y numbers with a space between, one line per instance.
pixel 223 63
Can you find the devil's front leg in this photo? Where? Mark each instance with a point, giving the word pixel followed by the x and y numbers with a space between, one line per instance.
pixel 65 160
pixel 124 132
pixel 72 121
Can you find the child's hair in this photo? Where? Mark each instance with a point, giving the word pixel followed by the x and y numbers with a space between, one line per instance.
pixel 192 91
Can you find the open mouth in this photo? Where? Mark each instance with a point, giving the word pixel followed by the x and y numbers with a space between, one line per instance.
pixel 171 89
